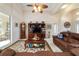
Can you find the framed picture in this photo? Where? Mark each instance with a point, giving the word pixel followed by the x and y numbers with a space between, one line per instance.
pixel 67 24
pixel 16 24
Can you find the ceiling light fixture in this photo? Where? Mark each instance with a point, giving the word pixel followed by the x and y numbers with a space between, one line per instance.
pixel 38 7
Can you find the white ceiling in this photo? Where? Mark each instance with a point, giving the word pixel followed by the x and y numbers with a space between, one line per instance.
pixel 52 7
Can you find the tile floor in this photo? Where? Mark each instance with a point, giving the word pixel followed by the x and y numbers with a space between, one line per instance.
pixel 52 45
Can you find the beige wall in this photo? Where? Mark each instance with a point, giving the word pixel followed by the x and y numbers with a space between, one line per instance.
pixel 49 19
pixel 58 19
pixel 63 15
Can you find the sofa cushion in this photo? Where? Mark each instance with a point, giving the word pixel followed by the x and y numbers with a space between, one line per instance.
pixel 66 34
pixel 75 36
pixel 65 39
pixel 60 43
pixel 8 52
pixel 75 45
pixel 60 36
pixel 73 41
pixel 0 51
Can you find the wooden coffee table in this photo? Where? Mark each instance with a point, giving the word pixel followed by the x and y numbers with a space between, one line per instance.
pixel 75 51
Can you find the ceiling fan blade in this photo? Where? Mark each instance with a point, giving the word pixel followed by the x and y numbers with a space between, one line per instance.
pixel 44 6
pixel 29 5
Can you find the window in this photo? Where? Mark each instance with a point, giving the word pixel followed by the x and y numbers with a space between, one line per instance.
pixel 55 29
pixel 5 31
pixel 77 28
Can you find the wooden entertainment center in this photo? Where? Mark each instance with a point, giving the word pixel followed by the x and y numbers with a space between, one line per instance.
pixel 35 31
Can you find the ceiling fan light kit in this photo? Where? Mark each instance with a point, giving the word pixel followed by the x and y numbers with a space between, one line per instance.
pixel 38 7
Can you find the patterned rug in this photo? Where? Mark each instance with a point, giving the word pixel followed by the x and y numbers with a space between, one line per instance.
pixel 19 47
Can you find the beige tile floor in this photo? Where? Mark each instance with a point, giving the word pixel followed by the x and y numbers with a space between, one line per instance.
pixel 52 45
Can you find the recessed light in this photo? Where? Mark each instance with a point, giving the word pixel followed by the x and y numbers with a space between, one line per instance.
pixel 64 6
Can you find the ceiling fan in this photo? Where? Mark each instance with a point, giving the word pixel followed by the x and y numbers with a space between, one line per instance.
pixel 38 7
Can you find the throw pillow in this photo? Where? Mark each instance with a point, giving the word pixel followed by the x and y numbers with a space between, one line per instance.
pixel 60 36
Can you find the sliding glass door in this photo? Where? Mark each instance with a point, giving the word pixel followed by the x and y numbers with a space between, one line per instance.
pixel 5 29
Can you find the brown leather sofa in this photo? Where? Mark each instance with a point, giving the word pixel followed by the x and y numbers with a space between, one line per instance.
pixel 71 40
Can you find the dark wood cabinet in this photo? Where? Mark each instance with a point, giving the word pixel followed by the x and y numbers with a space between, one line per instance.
pixel 22 30
pixel 36 28
pixel 39 30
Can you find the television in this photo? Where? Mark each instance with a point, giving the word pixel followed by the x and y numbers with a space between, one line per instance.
pixel 37 29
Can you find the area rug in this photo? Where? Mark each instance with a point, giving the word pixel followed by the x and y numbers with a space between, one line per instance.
pixel 19 47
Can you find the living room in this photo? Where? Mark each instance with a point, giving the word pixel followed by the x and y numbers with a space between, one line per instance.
pixel 55 25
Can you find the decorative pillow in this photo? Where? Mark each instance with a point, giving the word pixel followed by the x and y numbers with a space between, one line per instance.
pixel 8 52
pixel 60 36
